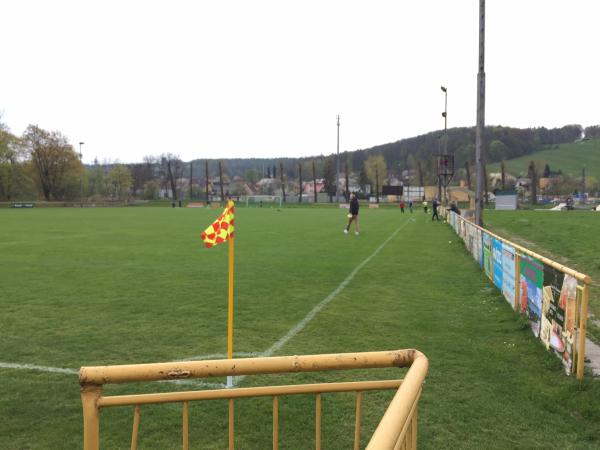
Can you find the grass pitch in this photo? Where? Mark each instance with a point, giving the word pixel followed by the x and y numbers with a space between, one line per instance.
pixel 113 286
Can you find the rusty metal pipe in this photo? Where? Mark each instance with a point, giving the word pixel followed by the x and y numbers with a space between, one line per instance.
pixel 387 432
pixel 100 375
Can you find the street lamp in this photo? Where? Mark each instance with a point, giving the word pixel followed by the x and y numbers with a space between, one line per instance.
pixel 81 176
pixel 445 116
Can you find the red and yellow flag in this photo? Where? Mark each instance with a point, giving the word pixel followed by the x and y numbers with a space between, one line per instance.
pixel 221 229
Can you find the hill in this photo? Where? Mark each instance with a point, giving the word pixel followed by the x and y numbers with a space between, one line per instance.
pixel 569 158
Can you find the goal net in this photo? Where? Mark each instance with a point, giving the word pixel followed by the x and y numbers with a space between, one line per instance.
pixel 263 200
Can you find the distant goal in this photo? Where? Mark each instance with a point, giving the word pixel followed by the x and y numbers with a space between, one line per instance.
pixel 263 200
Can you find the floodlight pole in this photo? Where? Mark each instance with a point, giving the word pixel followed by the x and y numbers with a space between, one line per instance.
pixel 81 177
pixel 445 115
pixel 480 117
pixel 337 176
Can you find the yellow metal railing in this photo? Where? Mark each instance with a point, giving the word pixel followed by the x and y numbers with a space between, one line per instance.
pixel 396 430
pixel 582 289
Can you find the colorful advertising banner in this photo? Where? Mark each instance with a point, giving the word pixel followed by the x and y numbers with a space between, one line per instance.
pixel 487 254
pixel 497 252
pixel 531 283
pixel 480 242
pixel 559 301
pixel 469 236
pixel 508 273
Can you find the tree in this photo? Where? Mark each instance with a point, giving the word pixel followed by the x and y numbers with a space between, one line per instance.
pixel 363 179
pixel 57 165
pixel 207 181
pixel 12 167
pixel 532 172
pixel 221 181
pixel 547 171
pixel 120 182
pixel 347 184
pixel 376 172
pixel 497 150
pixel 142 172
pixel 420 173
pixel 300 181
pixel 282 181
pixel 96 182
pixel 172 171
pixel 314 173
pixel 468 174
pixel 592 132
pixel 151 189
pixel 503 174
pixel 329 177
pixel 252 176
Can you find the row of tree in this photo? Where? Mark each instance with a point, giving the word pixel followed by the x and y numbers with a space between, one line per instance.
pixel 43 164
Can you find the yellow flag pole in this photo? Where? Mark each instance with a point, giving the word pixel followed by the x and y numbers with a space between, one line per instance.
pixel 230 309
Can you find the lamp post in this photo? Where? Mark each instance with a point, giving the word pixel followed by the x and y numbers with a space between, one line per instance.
pixel 480 128
pixel 337 176
pixel 445 116
pixel 81 176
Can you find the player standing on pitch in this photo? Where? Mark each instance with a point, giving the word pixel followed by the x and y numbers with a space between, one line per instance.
pixel 353 216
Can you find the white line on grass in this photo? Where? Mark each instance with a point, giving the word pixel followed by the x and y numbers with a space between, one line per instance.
pixel 5 365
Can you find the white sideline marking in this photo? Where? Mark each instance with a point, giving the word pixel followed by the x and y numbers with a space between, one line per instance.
pixel 269 352
pixel 5 365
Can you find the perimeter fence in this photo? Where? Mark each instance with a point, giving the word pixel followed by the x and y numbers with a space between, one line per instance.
pixel 396 430
pixel 553 297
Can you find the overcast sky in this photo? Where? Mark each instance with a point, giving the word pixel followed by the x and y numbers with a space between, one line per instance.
pixel 242 78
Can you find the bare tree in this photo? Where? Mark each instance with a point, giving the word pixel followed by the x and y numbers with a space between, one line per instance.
pixel 329 177
pixel 282 182
pixel 468 174
pixel 172 169
pixel 207 175
pixel 502 173
pixel 347 175
pixel 300 181
pixel 314 180
pixel 221 181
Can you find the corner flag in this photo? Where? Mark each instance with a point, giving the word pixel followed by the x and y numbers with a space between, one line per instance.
pixel 221 229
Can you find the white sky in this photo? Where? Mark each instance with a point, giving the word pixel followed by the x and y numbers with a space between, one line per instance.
pixel 258 78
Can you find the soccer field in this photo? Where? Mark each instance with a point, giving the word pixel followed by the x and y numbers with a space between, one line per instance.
pixel 132 285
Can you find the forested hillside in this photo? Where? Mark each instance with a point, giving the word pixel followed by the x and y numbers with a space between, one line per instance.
pixel 416 153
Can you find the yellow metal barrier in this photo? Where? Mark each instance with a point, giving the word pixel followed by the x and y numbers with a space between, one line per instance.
pixel 397 429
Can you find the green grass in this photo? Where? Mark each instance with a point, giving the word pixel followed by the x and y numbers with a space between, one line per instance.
pixel 130 285
pixel 570 158
pixel 569 237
